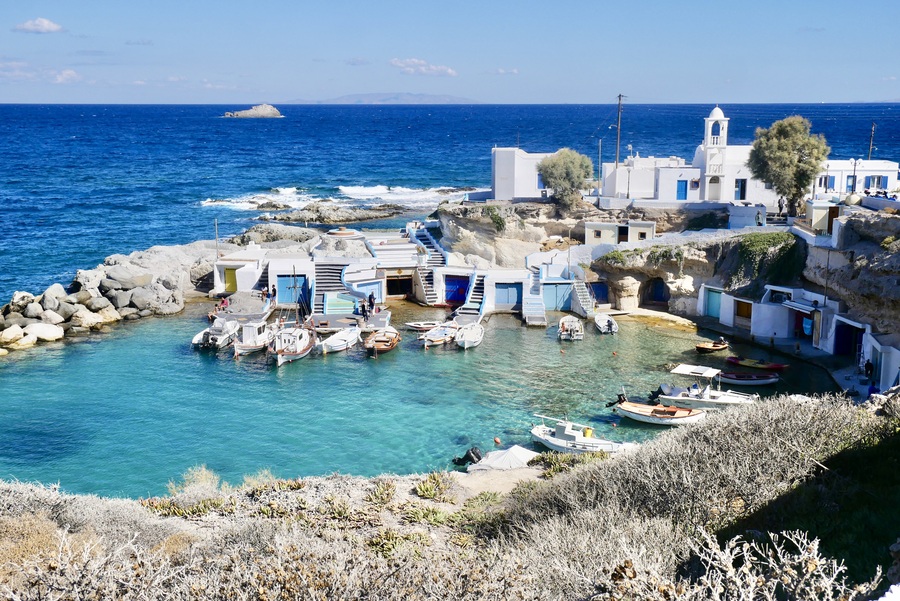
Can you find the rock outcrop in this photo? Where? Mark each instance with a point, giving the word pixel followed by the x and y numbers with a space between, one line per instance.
pixel 331 213
pixel 260 111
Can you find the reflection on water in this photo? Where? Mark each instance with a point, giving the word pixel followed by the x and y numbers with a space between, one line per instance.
pixel 124 413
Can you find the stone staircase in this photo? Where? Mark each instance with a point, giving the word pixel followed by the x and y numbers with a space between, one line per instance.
pixel 533 310
pixel 473 303
pixel 426 276
pixel 584 302
pixel 328 279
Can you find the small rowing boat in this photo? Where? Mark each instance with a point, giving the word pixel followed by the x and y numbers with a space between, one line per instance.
pixel 757 363
pixel 659 415
pixel 747 379
pixel 605 323
pixel 422 326
pixel 711 347
pixel 441 334
pixel 469 336
pixel 383 340
pixel 342 340
pixel 570 328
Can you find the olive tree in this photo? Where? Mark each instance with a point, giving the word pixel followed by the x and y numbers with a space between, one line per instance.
pixel 565 172
pixel 788 157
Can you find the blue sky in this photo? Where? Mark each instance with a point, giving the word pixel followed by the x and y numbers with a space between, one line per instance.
pixel 493 51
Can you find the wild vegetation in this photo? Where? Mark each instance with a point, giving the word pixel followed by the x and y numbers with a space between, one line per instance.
pixel 669 520
pixel 565 172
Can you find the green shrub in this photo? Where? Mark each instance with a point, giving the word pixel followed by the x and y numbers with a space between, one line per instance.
pixel 614 257
pixel 383 493
pixel 436 486
pixel 886 243
pixel 496 218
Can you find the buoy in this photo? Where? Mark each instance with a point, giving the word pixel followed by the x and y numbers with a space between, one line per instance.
pixel 615 425
pixel 497 440
pixel 562 351
pixel 615 354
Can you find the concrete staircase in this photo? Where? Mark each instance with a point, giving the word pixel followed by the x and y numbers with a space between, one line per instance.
pixel 584 302
pixel 533 310
pixel 426 276
pixel 435 259
pixel 328 279
pixel 473 303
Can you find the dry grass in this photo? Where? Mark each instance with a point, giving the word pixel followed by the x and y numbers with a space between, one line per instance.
pixel 632 527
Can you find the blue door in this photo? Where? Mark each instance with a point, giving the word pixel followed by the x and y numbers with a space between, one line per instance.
pixel 291 288
pixel 508 297
pixel 681 194
pixel 713 303
pixel 558 297
pixel 455 289
pixel 600 291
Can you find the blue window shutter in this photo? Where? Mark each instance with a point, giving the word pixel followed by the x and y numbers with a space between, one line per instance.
pixel 831 181
pixel 868 181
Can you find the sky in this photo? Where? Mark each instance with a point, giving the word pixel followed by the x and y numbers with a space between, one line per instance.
pixel 489 51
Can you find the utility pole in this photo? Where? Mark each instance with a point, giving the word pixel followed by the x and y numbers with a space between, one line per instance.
pixel 599 165
pixel 871 140
pixel 619 129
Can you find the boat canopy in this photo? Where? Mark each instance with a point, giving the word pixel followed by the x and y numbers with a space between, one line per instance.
pixel 696 370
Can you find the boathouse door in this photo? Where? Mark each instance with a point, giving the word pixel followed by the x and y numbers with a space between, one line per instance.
pixel 230 280
pixel 558 297
pixel 508 297
pixel 713 303
pixel 292 289
pixel 681 192
pixel 455 289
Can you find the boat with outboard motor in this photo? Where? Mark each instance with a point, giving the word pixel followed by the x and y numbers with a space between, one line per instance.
pixel 570 328
pixel 440 334
pixel 697 396
pixel 742 378
pixel 605 323
pixel 568 437
pixel 255 336
pixel 220 334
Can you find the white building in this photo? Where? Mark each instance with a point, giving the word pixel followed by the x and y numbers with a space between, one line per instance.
pixel 596 232
pixel 514 174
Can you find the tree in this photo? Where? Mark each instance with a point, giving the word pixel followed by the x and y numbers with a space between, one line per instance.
pixel 565 173
pixel 787 156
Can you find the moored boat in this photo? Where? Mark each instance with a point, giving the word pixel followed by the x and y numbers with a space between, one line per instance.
pixel 757 363
pixel 605 323
pixel 469 335
pixel 747 379
pixel 382 340
pixel 570 328
pixel 255 336
pixel 440 334
pixel 291 343
pixel 217 336
pixel 568 437
pixel 697 396
pixel 342 340
pixel 712 347
pixel 422 326
pixel 659 415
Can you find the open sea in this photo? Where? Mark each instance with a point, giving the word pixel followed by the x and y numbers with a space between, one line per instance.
pixel 123 413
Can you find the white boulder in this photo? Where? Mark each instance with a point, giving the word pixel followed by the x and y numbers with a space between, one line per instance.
pixel 45 332
pixel 52 317
pixel 83 318
pixel 11 334
pixel 20 300
pixel 27 341
pixel 55 291
pixel 129 276
pixel 33 310
pixel 109 315
pixel 88 278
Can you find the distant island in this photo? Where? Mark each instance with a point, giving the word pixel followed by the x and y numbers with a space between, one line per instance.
pixel 260 111
pixel 391 98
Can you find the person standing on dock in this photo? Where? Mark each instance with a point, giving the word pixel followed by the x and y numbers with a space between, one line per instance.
pixel 364 309
pixel 371 302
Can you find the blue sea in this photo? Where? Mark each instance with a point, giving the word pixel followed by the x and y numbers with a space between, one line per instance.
pixel 123 413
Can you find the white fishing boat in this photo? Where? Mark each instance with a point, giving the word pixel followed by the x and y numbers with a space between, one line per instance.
pixel 422 326
pixel 742 378
pixel 217 336
pixel 441 334
pixel 570 328
pixel 469 335
pixel 568 437
pixel 292 342
pixel 342 340
pixel 255 335
pixel 659 415
pixel 700 396
pixel 605 323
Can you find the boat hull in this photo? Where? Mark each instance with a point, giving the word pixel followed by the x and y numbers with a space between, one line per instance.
pixel 659 415
pixel 605 324
pixel 544 435
pixel 469 336
pixel 756 363
pixel 710 347
pixel 747 379
pixel 382 341
pixel 341 341
pixel 570 328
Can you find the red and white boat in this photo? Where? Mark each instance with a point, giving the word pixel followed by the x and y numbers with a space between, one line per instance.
pixel 757 363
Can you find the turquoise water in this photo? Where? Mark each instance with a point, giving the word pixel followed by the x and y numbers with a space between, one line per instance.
pixel 121 414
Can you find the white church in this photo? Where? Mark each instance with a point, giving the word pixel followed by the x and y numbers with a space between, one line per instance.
pixel 718 173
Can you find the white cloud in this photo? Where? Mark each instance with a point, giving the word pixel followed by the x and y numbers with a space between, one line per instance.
pixel 889 78
pixel 507 71
pixel 416 66
pixel 139 82
pixel 39 25
pixel 175 79
pixel 15 71
pixel 66 76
